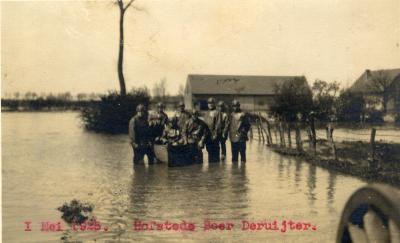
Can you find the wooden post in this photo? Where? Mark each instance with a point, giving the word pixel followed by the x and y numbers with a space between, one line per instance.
pixel 269 132
pixel 330 140
pixel 310 139
pixel 372 141
pixel 299 145
pixel 267 136
pixel 289 136
pixel 276 133
pixel 261 131
pixel 258 130
pixel 312 134
pixel 282 134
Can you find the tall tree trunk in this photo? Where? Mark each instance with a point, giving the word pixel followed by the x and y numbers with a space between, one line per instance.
pixel 121 55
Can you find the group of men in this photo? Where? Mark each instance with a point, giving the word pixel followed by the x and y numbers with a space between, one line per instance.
pixel 186 128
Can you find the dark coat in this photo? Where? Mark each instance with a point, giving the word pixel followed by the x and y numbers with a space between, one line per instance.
pixel 239 126
pixel 195 131
pixel 213 119
pixel 139 131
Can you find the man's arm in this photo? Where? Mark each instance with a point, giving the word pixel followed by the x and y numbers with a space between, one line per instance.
pixel 226 122
pixel 132 131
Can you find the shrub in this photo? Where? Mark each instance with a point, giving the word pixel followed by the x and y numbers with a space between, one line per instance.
pixel 350 107
pixel 397 119
pixel 112 113
pixel 374 116
pixel 293 97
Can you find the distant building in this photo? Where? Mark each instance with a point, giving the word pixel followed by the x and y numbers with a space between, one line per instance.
pixel 255 93
pixel 366 85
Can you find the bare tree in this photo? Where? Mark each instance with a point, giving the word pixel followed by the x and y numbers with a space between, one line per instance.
pixel 380 85
pixel 121 78
pixel 160 89
pixel 82 96
pixel 181 90
pixel 16 95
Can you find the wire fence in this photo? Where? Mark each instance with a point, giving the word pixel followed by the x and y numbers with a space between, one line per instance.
pixel 327 141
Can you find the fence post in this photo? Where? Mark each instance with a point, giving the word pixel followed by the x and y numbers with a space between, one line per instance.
pixel 309 137
pixel 261 130
pixel 258 130
pixel 312 134
pixel 276 133
pixel 298 138
pixel 267 135
pixel 330 140
pixel 372 141
pixel 282 134
pixel 269 132
pixel 289 136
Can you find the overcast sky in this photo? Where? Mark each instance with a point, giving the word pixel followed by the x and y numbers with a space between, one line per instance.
pixel 56 46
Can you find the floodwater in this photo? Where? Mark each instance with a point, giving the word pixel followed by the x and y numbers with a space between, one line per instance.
pixel 48 159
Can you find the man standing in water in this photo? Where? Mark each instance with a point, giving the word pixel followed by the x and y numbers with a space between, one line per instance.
pixel 239 126
pixel 182 115
pixel 140 136
pixel 223 134
pixel 159 121
pixel 213 121
pixel 194 135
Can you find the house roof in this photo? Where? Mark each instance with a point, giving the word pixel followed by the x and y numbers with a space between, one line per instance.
pixel 235 84
pixel 363 83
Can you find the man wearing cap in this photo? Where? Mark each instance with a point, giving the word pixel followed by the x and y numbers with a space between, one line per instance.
pixel 213 120
pixel 239 126
pixel 158 121
pixel 182 115
pixel 140 136
pixel 223 133
pixel 194 134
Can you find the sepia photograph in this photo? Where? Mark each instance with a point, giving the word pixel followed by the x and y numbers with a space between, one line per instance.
pixel 200 121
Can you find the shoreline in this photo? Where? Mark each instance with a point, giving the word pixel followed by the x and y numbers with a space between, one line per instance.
pixel 353 165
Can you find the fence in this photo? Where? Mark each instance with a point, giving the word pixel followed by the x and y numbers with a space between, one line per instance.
pixel 342 143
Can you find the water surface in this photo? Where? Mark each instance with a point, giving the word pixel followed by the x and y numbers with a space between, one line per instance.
pixel 48 159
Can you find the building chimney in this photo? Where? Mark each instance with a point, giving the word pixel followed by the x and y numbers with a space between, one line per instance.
pixel 368 72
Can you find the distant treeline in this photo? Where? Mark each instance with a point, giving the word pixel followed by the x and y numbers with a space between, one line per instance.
pixel 30 101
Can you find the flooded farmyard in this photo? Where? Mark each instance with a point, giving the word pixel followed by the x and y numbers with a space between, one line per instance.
pixel 48 159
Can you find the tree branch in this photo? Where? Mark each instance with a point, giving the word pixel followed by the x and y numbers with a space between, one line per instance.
pixel 129 4
pixel 121 5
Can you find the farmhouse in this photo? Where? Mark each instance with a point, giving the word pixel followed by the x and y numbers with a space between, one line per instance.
pixel 255 93
pixel 377 85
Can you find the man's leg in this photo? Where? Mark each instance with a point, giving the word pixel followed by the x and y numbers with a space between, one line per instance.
pixel 138 155
pixel 242 150
pixel 223 149
pixel 235 152
pixel 213 152
pixel 199 155
pixel 150 154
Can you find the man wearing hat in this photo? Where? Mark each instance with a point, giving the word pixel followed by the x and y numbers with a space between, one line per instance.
pixel 194 134
pixel 239 126
pixel 213 120
pixel 140 136
pixel 223 133
pixel 182 115
pixel 158 121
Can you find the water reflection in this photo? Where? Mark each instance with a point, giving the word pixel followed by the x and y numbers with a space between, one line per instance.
pixel 297 173
pixel 331 188
pixel 312 184
pixel 99 169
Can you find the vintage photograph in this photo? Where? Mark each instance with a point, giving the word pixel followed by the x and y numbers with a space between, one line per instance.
pixel 200 121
